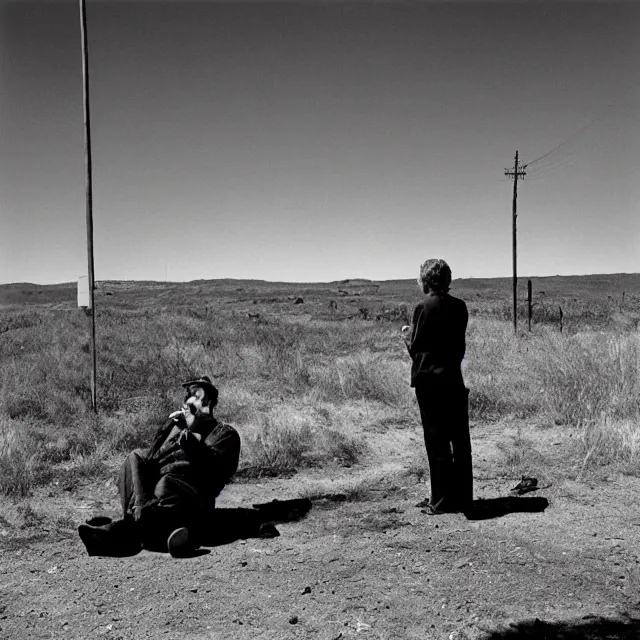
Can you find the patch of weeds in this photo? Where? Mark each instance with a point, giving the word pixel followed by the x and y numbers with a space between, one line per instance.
pixel 18 407
pixel 18 459
pixel 607 442
pixel 19 320
pixel 418 467
pixel 275 449
pixel 30 517
pixel 365 376
pixel 64 522
pixel 82 467
pixel 520 456
pixel 515 456
pixel 343 448
pixel 589 375
pixel 484 405
pixel 16 474
pixel 399 419
pixel 134 430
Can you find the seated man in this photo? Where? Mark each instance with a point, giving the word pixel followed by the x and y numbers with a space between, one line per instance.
pixel 167 491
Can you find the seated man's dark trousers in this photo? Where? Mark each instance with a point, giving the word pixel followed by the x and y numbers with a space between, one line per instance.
pixel 158 505
pixel 445 420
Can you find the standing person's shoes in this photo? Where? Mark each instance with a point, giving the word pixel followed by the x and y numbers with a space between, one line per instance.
pixel 440 507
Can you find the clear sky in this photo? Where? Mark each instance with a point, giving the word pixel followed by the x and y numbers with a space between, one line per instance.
pixel 314 141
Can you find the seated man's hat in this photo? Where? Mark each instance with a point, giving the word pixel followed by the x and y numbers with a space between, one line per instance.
pixel 206 384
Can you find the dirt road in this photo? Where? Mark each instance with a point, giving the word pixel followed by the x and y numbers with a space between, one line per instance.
pixel 375 567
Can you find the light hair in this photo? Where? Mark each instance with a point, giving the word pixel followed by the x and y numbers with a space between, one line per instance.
pixel 435 275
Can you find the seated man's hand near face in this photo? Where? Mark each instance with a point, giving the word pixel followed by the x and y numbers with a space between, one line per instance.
pixel 188 439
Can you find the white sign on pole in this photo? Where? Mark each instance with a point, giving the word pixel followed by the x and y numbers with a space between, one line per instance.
pixel 83 292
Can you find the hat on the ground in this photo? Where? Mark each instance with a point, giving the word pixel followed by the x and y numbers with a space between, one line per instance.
pixel 206 384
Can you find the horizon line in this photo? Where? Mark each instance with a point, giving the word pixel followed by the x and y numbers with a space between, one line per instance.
pixel 310 282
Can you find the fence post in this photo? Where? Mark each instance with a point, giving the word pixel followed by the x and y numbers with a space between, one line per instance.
pixel 529 301
pixel 560 319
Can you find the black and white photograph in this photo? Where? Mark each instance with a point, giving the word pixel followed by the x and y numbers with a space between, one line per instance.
pixel 320 319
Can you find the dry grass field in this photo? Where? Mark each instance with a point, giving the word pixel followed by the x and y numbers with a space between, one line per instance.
pixel 315 378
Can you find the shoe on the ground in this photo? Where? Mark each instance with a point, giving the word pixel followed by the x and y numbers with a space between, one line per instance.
pixel 431 510
pixel 526 484
pixel 178 543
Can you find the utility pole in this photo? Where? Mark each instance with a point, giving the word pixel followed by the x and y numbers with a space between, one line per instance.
pixel 89 196
pixel 516 172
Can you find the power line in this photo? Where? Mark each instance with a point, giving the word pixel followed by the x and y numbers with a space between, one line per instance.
pixel 553 160
pixel 568 139
pixel 563 165
pixel 557 163
pixel 577 133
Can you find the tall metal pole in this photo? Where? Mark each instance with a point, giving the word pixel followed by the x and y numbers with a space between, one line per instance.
pixel 516 172
pixel 89 196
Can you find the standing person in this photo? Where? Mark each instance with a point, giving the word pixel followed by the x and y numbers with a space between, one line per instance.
pixel 436 344
pixel 167 491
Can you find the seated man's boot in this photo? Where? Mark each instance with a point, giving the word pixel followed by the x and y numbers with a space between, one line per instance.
pixel 180 543
pixel 115 539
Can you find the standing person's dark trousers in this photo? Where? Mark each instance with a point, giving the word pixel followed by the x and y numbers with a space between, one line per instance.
pixel 445 420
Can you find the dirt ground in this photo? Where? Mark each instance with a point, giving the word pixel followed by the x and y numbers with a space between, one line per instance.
pixel 370 566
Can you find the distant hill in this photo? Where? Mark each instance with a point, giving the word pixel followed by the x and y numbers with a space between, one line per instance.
pixel 575 286
pixel 354 281
pixel 63 295
pixel 20 293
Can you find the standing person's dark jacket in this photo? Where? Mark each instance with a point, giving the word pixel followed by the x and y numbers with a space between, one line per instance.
pixel 437 344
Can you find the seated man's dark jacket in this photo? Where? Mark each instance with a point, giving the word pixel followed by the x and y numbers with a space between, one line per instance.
pixel 437 344
pixel 207 465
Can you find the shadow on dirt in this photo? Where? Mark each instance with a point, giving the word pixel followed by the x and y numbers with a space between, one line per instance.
pixel 121 538
pixel 497 507
pixel 592 628
pixel 229 525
